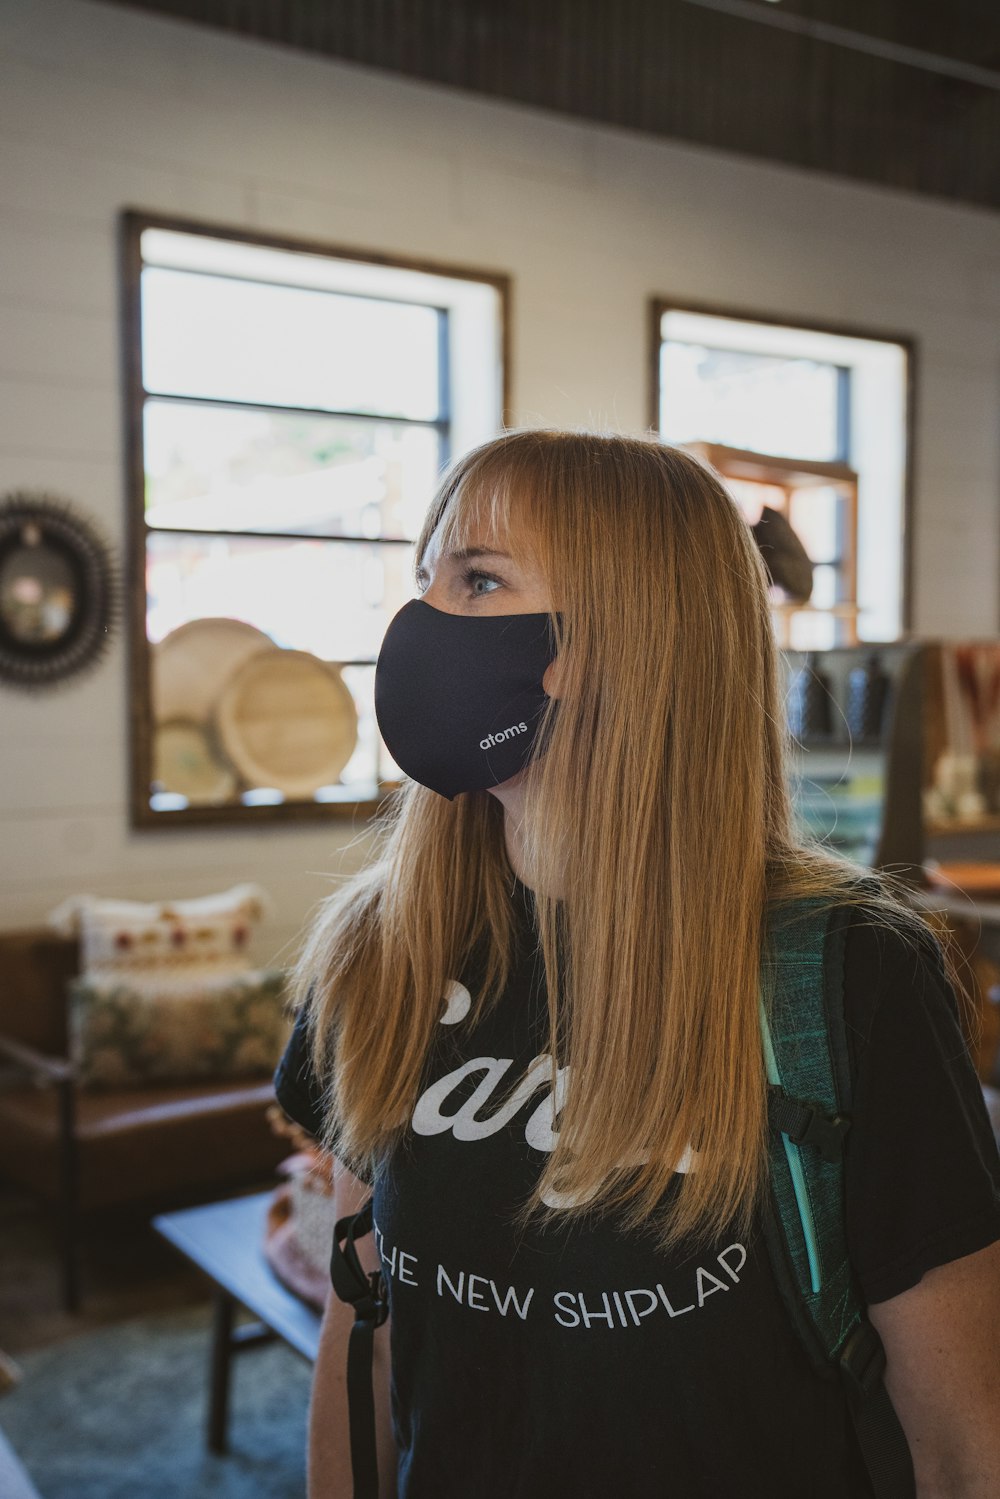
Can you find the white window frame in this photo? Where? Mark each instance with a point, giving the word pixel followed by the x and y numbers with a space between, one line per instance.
pixel 882 368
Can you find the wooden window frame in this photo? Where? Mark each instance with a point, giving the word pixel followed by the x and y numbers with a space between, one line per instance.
pixel 132 224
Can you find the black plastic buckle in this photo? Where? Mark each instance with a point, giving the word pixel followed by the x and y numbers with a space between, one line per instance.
pixel 375 1307
pixel 806 1123
pixel 862 1359
pixel 826 1133
pixel 364 1290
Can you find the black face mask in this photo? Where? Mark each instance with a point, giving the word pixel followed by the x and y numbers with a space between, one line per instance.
pixel 459 697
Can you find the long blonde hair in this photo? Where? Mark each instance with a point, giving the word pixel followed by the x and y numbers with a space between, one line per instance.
pixel 658 811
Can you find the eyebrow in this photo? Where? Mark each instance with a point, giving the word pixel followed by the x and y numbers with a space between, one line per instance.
pixel 465 554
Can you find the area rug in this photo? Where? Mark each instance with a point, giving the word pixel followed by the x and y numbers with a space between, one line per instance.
pixel 119 1413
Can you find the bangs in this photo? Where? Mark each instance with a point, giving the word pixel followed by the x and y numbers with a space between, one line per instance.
pixel 489 501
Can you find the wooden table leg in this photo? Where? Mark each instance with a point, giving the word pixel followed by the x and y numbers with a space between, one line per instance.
pixel 221 1363
pixel 69 1227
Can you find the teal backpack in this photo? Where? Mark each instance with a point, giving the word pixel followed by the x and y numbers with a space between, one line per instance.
pixel 809 1102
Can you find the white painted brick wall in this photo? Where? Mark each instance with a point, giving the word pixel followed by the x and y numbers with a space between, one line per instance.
pixel 102 109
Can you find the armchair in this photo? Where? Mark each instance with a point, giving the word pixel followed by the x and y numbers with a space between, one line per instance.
pixel 79 1148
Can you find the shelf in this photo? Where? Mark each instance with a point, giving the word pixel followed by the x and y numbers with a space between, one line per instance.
pixel 840 611
pixel 794 478
pixel 953 903
pixel 938 827
pixel 769 468
pixel 844 747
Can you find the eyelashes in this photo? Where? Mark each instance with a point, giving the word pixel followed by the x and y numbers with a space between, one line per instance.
pixel 471 575
pixel 468 576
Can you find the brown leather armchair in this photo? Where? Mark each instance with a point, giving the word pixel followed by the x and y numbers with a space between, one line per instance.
pixel 79 1148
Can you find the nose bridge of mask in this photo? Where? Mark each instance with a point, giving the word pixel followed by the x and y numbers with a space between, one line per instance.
pixel 459 698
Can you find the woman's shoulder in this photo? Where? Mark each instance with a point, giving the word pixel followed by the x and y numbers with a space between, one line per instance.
pixel 896 979
pixel 922 1168
pixel 892 964
pixel 297 1088
pixel 890 936
pixel 876 922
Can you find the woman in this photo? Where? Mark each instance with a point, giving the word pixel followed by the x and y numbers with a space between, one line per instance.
pixel 533 1024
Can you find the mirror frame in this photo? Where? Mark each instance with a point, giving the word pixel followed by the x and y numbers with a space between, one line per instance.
pixel 31 518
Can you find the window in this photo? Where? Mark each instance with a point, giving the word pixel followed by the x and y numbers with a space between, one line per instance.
pixel 290 410
pixel 813 423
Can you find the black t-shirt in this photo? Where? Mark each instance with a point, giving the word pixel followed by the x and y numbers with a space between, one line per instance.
pixel 577 1361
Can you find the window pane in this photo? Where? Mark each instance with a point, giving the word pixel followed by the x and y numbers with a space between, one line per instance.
pixel 288 346
pixel 217 468
pixel 763 402
pixel 752 497
pixel 333 599
pixel 371 746
pixel 815 517
pixel 813 632
pixel 361 769
pixel 825 587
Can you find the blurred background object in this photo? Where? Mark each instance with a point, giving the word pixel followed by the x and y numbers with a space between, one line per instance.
pixel 786 559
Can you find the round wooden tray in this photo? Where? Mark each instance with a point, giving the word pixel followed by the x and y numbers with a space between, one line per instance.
pixel 287 719
pixel 185 761
pixel 192 664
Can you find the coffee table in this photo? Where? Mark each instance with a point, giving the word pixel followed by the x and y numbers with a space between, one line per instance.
pixel 224 1240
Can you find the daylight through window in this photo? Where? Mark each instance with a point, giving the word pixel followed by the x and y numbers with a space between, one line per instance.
pixel 291 415
pixel 811 425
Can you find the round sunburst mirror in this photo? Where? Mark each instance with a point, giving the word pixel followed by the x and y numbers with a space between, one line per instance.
pixel 58 591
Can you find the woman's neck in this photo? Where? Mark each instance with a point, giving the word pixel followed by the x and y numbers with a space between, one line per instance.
pixel 511 795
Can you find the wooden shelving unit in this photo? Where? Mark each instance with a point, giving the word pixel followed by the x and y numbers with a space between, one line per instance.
pixel 943 827
pixel 786 479
pixel 867 791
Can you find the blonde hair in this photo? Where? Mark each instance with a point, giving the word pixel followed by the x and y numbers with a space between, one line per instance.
pixel 658 811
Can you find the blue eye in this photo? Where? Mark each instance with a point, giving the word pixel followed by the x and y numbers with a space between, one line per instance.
pixel 472 575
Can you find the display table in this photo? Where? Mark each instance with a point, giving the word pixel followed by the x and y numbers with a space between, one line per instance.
pixel 225 1241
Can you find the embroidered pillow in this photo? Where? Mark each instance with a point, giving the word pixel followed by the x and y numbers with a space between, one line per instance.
pixel 138 943
pixel 123 1035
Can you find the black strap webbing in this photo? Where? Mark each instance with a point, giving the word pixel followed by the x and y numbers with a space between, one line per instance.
pixel 366 1293
pixel 881 1438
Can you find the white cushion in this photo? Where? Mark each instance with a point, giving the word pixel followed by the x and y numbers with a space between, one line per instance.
pixel 191 939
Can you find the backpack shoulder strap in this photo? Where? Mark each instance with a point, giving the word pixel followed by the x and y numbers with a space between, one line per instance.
pixel 806 1108
pixel 809 1100
pixel 366 1292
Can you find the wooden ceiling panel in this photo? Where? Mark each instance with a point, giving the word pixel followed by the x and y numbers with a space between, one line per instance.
pixel 904 93
pixel 969 31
